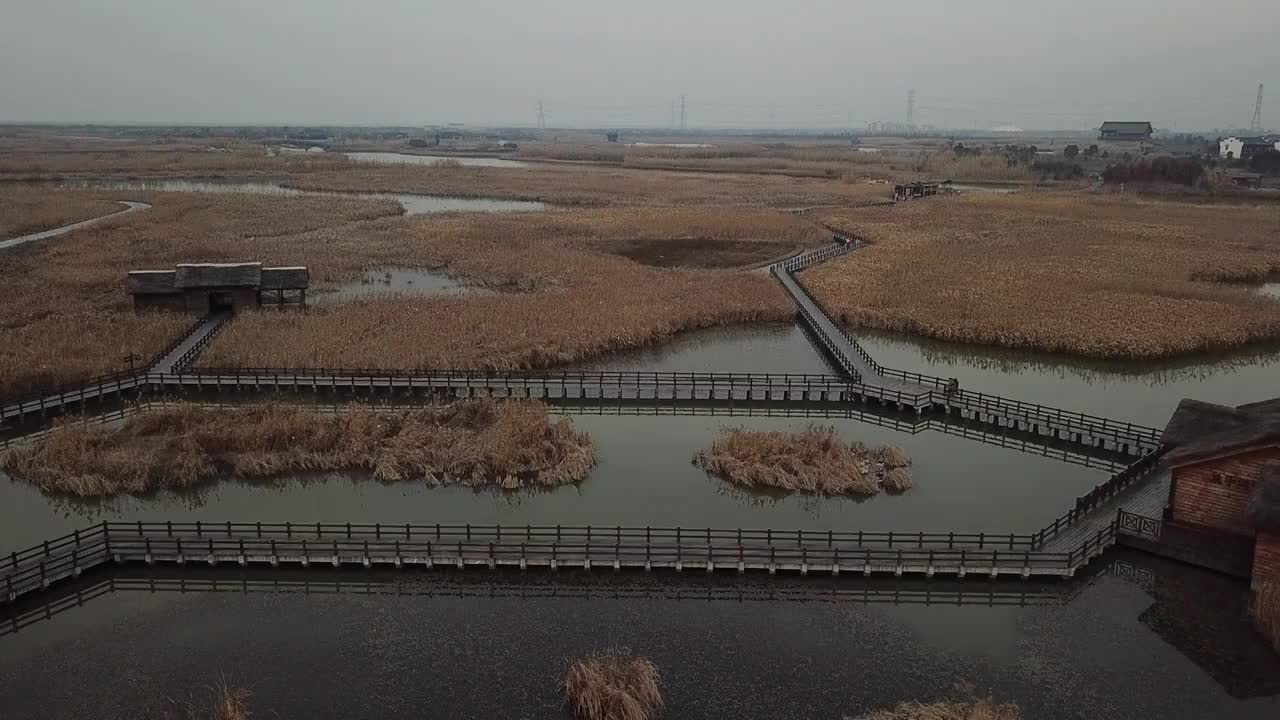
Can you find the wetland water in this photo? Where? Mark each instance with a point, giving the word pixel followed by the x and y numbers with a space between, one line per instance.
pixel 644 475
pixel 1139 638
pixel 1144 393
pixel 412 204
pixel 394 280
pixel 387 158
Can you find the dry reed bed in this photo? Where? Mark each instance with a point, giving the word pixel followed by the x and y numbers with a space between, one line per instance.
pixel 613 686
pixel 26 210
pixel 980 709
pixel 154 160
pixel 595 186
pixel 475 443
pixel 814 460
pixel 1095 276
pixel 588 301
pixel 71 317
pixel 66 316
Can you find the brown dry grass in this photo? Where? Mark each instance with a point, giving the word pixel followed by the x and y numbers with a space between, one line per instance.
pixel 26 210
pixel 596 186
pixel 588 300
pixel 158 161
pixel 614 686
pixel 66 316
pixel 1087 275
pixel 1266 612
pixel 980 709
pixel 814 460
pixel 475 443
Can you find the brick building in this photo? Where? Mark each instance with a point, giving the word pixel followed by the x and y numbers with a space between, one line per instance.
pixel 1225 464
pixel 212 287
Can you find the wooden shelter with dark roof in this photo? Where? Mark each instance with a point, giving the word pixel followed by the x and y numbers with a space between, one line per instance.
pixel 213 287
pixel 1225 464
pixel 1217 454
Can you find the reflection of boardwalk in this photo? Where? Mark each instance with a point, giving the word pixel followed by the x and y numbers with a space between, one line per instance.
pixel 522 586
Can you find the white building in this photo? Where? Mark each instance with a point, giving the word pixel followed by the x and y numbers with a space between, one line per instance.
pixel 1235 148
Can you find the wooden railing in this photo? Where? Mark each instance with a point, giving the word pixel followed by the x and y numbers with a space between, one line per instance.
pixel 548 546
pixel 1140 525
pixel 187 358
pixel 1091 500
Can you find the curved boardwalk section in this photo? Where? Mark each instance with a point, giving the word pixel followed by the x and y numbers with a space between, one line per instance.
pixel 130 206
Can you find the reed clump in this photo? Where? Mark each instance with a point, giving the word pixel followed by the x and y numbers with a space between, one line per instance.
pixel 1100 276
pixel 815 460
pixel 474 443
pixel 978 709
pixel 613 685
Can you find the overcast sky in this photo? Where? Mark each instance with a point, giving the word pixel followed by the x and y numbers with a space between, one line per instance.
pixel 1189 64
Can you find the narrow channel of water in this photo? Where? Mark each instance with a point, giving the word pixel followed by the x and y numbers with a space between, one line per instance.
pixel 1144 393
pixel 389 158
pixel 412 204
pixel 1142 639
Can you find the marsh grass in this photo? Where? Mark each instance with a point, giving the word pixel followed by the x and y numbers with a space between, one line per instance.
pixel 1109 277
pixel 613 685
pixel 26 210
pixel 815 461
pixel 979 709
pixel 474 443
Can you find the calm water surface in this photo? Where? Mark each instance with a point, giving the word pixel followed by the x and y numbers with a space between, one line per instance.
pixel 644 476
pixel 1140 639
pixel 412 204
pixel 1137 392
pixel 386 158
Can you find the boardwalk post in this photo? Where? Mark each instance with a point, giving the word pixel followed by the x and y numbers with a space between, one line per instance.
pixel 306 554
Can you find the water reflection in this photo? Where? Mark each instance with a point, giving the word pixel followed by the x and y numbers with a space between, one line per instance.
pixel 644 476
pixel 412 204
pixel 1140 392
pixel 387 158
pixel 1090 647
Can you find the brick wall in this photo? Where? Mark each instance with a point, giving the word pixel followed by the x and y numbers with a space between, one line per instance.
pixel 1216 493
pixel 1266 558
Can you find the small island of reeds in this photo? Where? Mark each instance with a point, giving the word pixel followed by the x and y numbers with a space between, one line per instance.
pixel 474 443
pixel 815 460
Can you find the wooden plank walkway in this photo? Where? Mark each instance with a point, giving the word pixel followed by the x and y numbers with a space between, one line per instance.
pixel 181 353
pixel 1145 497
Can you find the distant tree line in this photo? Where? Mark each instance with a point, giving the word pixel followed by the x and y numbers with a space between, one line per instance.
pixel 1182 171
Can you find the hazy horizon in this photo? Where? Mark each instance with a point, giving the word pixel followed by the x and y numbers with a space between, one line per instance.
pixel 744 65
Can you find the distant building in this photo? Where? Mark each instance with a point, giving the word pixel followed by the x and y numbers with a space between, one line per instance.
pixel 1125 131
pixel 217 287
pixel 1225 464
pixel 1237 148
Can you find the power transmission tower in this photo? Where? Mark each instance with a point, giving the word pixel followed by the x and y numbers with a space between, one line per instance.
pixel 542 118
pixel 682 107
pixel 673 114
pixel 1256 125
pixel 911 106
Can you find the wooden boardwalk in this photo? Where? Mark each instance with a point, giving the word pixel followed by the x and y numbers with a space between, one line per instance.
pixel 1146 497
